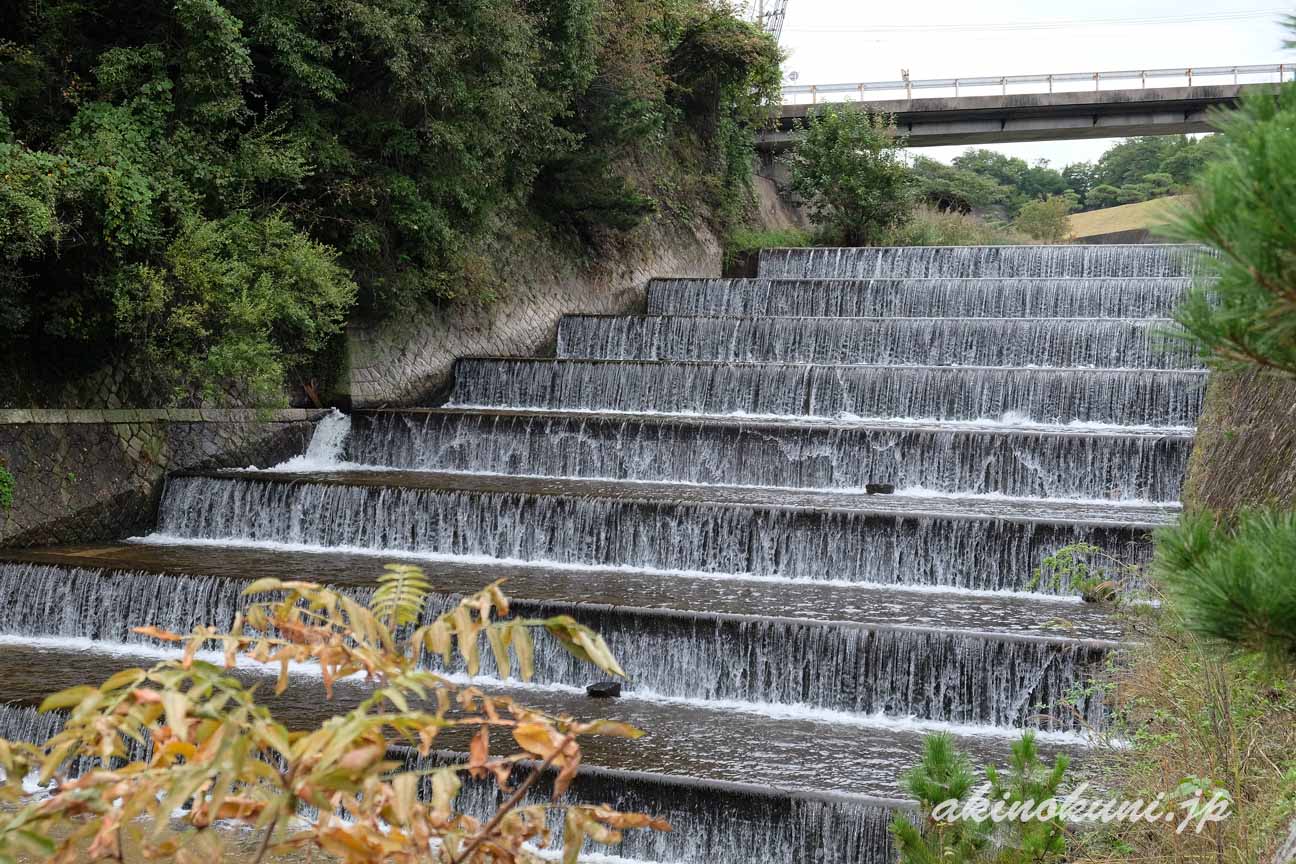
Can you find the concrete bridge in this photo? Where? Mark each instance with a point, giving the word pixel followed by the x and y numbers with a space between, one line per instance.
pixel 1006 117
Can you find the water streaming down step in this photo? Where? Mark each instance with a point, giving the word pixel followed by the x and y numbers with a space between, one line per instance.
pixel 934 262
pixel 771 542
pixel 1045 396
pixel 726 823
pixel 919 298
pixel 954 677
pixel 877 341
pixel 1049 342
pixel 1122 467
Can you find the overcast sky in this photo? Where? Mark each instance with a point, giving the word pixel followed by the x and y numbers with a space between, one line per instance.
pixel 835 41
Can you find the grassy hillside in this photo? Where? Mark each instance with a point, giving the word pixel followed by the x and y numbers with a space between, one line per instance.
pixel 1126 217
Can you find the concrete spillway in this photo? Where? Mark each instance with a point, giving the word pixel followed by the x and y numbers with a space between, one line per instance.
pixel 691 484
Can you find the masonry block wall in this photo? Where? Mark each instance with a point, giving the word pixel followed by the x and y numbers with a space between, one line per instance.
pixel 87 476
pixel 408 360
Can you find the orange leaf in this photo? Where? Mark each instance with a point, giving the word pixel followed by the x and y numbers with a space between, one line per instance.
pixel 479 752
pixel 156 633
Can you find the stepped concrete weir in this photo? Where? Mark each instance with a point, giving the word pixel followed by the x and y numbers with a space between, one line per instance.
pixel 691 483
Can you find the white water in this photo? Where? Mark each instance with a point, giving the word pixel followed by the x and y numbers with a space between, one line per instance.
pixel 327 445
pixel 772 711
pixel 162 539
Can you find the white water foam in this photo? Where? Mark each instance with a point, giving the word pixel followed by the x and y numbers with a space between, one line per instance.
pixel 326 447
pixel 161 539
pixel 1010 420
pixel 768 710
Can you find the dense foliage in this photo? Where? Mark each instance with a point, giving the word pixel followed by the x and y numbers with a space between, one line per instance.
pixel 165 166
pixel 1132 170
pixel 1188 717
pixel 1045 220
pixel 218 754
pixel 1243 210
pixel 848 169
pixel 945 775
pixel 1233 583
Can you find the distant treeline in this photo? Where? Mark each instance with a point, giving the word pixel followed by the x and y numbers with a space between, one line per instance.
pixel 1133 170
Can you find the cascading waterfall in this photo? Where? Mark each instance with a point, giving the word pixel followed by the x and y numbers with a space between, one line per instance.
pixel 956 677
pixel 919 298
pixel 688 483
pixel 934 262
pixel 1145 467
pixel 714 823
pixel 1050 342
pixel 774 542
pixel 1061 396
pixel 327 445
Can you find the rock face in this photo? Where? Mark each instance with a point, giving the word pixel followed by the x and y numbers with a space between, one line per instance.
pixel 83 476
pixel 604 690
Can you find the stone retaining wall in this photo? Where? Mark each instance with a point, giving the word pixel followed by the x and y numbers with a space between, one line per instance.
pixel 86 476
pixel 408 360
pixel 1245 451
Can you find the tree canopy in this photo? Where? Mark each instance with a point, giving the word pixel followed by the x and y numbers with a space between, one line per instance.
pixel 211 185
pixel 1132 170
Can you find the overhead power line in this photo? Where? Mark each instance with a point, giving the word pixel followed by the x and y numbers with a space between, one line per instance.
pixel 1048 25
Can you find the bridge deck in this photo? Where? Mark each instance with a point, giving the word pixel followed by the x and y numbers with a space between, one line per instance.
pixel 999 119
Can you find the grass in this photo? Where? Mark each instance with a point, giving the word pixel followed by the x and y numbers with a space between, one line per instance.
pixel 1126 217
pixel 1192 714
pixel 930 227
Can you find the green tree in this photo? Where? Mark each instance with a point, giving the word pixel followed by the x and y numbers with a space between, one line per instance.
pixel 380 145
pixel 943 782
pixel 1160 184
pixel 1133 193
pixel 1046 220
pixel 1027 782
pixel 1040 181
pixel 947 187
pixel 1080 178
pixel 849 169
pixel 1243 209
pixel 944 774
pixel 1101 196
pixel 1232 583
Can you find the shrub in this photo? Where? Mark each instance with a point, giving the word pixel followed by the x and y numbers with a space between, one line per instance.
pixel 6 489
pixel 848 168
pixel 930 227
pixel 1242 209
pixel 216 750
pixel 945 774
pixel 744 241
pixel 1046 220
pixel 1233 583
pixel 1085 569
pixel 1187 715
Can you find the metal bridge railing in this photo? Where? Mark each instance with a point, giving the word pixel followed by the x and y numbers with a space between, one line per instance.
pixel 813 93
